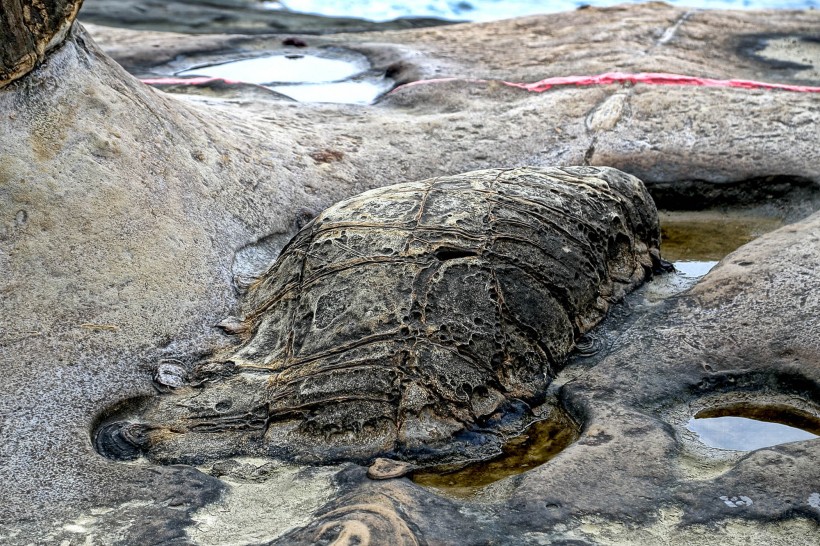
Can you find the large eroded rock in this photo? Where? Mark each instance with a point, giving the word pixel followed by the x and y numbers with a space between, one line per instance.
pixel 746 334
pixel 411 320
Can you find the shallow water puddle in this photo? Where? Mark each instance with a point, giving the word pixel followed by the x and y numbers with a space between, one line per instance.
pixel 283 69
pixel 694 270
pixel 747 429
pixel 305 78
pixel 363 91
pixel 694 241
pixel 542 441
pixel 708 236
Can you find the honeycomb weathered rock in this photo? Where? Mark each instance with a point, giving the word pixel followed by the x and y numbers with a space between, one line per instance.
pixel 418 321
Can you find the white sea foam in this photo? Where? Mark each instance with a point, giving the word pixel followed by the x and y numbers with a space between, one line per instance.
pixel 488 10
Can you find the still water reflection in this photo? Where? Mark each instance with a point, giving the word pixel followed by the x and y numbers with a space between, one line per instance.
pixel 283 69
pixel 541 442
pixel 488 10
pixel 748 428
pixel 708 236
pixel 306 78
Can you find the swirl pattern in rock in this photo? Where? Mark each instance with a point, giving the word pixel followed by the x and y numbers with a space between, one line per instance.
pixel 419 321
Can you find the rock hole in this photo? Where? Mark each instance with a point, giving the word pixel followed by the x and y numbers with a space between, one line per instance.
pixel 120 441
pixel 115 436
pixel 589 344
pixel 445 253
pixel 708 236
pixel 330 76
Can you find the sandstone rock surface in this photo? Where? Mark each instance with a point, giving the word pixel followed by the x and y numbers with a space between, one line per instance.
pixel 127 215
pixel 673 138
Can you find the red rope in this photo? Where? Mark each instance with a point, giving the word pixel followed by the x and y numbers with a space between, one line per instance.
pixel 648 78
pixel 657 78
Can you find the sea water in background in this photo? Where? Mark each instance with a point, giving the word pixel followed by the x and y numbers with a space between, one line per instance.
pixel 333 76
pixel 488 10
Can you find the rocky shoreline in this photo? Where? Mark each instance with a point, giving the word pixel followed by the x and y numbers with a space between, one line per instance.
pixel 130 216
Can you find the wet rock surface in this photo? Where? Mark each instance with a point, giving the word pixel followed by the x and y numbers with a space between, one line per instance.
pixel 418 321
pixel 130 219
pixel 633 446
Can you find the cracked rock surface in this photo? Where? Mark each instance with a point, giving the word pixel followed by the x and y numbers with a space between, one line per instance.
pixel 419 321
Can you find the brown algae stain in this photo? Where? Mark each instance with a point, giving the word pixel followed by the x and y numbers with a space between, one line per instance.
pixel 539 443
pixel 710 235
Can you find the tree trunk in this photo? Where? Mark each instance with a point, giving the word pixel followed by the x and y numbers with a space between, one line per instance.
pixel 28 30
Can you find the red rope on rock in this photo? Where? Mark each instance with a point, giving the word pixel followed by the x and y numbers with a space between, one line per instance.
pixel 657 78
pixel 608 78
pixel 647 78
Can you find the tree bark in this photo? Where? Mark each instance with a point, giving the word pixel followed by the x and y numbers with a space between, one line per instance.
pixel 28 30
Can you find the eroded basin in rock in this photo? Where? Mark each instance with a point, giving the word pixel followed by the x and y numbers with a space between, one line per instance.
pixel 539 443
pixel 272 69
pixel 709 235
pixel 695 241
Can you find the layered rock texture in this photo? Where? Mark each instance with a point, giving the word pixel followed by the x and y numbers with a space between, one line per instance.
pixel 405 321
pixel 130 221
